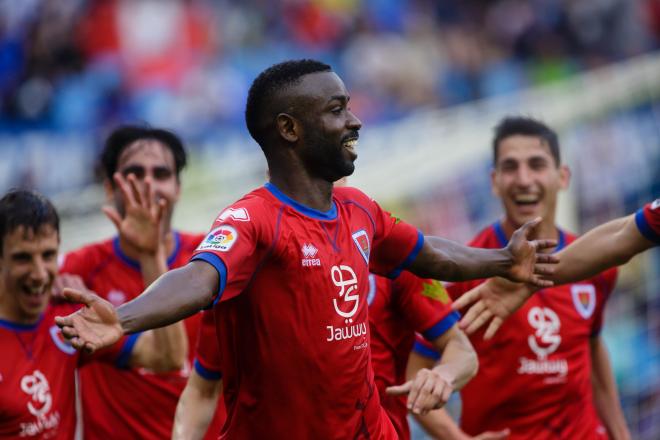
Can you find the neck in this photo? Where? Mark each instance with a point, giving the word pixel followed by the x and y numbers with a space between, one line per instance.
pixel 312 192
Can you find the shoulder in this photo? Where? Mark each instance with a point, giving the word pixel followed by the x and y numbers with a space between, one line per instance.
pixel 87 256
pixel 348 194
pixel 486 238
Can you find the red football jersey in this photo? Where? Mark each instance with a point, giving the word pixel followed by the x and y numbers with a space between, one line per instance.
pixel 397 309
pixel 536 370
pixel 37 377
pixel 291 313
pixel 207 365
pixel 648 221
pixel 128 403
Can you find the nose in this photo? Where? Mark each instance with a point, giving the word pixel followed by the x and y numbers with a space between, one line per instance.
pixel 39 271
pixel 353 122
pixel 524 176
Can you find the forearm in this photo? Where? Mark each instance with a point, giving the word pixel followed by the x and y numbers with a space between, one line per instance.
pixel 439 425
pixel 605 394
pixel 168 346
pixel 175 295
pixel 459 360
pixel 611 244
pixel 196 408
pixel 451 261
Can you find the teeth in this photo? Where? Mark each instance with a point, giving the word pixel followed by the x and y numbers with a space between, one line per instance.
pixel 526 198
pixel 35 290
pixel 351 144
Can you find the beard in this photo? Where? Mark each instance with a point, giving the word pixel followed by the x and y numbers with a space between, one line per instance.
pixel 327 158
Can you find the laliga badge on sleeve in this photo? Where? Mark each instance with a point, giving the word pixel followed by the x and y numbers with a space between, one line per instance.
pixel 220 239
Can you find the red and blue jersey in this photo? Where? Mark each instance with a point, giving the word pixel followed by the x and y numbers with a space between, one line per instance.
pixel 37 377
pixel 536 370
pixel 292 316
pixel 397 309
pixel 207 365
pixel 648 221
pixel 133 402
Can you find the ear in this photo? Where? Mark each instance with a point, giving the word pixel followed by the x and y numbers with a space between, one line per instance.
pixel 493 186
pixel 564 176
pixel 288 127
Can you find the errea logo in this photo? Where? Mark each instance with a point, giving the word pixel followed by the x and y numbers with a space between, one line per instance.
pixel 309 252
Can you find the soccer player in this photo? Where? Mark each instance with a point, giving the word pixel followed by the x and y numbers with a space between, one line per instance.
pixel 37 367
pixel 605 246
pixel 546 374
pixel 142 167
pixel 286 268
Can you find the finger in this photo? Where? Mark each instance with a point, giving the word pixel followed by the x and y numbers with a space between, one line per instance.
pixel 494 325
pixel 77 296
pixel 543 270
pixel 424 398
pixel 528 227
pixel 540 282
pixel 69 332
pixel 466 299
pixel 485 316
pixel 472 314
pixel 547 258
pixel 125 189
pixel 446 394
pixel 147 194
pixel 77 343
pixel 161 208
pixel 544 244
pixel 136 190
pixel 113 215
pixel 89 348
pixel 399 390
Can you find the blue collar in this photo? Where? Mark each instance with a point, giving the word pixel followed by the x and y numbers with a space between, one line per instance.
pixel 136 264
pixel 21 327
pixel 331 214
pixel 503 241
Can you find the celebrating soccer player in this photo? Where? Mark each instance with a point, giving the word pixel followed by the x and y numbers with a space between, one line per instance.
pixel 142 167
pixel 286 269
pixel 37 368
pixel 546 374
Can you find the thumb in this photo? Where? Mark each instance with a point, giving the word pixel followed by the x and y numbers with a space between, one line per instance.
pixel 399 390
pixel 77 296
pixel 528 227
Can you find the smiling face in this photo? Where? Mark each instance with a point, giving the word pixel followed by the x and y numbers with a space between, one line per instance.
pixel 527 179
pixel 28 267
pixel 329 130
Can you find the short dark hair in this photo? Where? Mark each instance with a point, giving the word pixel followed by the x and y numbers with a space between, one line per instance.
pixel 125 135
pixel 22 207
pixel 275 78
pixel 513 125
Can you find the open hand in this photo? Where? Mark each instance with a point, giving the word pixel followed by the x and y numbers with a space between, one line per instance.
pixel 429 390
pixel 141 226
pixel 529 265
pixel 94 326
pixel 494 301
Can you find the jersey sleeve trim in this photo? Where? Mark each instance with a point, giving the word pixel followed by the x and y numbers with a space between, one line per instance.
pixel 206 373
pixel 645 228
pixel 441 327
pixel 425 351
pixel 219 266
pixel 127 350
pixel 410 258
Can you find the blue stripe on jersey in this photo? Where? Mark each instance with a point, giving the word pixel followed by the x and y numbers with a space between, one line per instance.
pixel 441 327
pixel 205 372
pixel 644 227
pixel 309 212
pixel 127 350
pixel 13 326
pixel 219 265
pixel 410 258
pixel 503 241
pixel 136 264
pixel 425 351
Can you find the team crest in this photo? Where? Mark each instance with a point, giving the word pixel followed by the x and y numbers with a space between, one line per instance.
pixel 584 299
pixel 220 239
pixel 361 240
pixel 60 341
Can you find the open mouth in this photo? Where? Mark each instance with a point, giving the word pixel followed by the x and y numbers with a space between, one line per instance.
pixel 351 144
pixel 526 199
pixel 35 295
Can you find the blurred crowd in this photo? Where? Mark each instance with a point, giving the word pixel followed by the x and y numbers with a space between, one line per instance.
pixel 85 65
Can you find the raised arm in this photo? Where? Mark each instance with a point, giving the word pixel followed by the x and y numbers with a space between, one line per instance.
pixel 174 296
pixel 446 260
pixel 608 245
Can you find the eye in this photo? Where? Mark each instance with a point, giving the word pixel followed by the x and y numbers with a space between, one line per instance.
pixel 337 110
pixel 162 173
pixel 50 255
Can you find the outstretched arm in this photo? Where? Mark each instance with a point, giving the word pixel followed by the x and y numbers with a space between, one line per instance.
pixel 196 407
pixel 449 261
pixel 608 245
pixel 174 296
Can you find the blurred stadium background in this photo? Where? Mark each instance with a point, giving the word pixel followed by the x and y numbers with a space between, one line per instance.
pixel 429 79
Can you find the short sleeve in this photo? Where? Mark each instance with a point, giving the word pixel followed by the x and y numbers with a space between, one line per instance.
pixel 648 221
pixel 207 353
pixel 396 243
pixel 423 348
pixel 425 304
pixel 604 284
pixel 119 354
pixel 238 239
